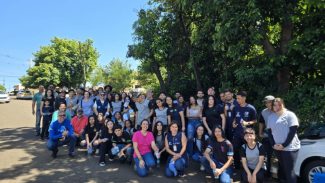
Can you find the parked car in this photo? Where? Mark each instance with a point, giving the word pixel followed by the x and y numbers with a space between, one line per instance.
pixel 25 94
pixel 4 97
pixel 311 156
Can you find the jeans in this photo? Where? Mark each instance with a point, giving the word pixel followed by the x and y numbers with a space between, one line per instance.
pixel 191 130
pixel 53 145
pixel 149 163
pixel 197 156
pixel 180 165
pixel 224 177
pixel 128 152
pixel 38 122
pixel 287 160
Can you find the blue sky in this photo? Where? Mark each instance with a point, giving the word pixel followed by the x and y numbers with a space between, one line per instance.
pixel 25 26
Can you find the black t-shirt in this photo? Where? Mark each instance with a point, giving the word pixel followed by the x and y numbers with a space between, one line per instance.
pixel 58 101
pixel 220 150
pixel 123 139
pixel 50 99
pixel 212 115
pixel 91 131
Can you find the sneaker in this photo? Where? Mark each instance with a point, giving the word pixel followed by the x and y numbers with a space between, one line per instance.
pixel 54 153
pixel 202 168
pixel 102 164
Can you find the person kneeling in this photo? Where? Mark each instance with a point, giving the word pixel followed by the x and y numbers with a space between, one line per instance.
pixel 175 143
pixel 122 145
pixel 60 133
pixel 252 157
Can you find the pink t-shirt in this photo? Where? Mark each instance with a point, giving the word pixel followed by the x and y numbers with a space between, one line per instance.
pixel 144 142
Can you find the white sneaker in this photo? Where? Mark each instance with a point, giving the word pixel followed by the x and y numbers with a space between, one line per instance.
pixel 202 168
pixel 102 164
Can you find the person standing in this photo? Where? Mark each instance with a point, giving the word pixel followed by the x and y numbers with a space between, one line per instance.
pixel 284 125
pixel 87 104
pixel 200 98
pixel 47 112
pixel 102 105
pixel 37 99
pixel 176 113
pixel 213 115
pixel 142 110
pixel 71 102
pixel 264 132
pixel 230 104
pixel 245 116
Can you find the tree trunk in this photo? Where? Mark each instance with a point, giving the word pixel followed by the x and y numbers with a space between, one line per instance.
pixel 156 70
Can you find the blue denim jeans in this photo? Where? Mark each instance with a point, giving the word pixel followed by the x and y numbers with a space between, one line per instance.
pixel 129 150
pixel 198 157
pixel 224 177
pixel 53 145
pixel 180 165
pixel 191 127
pixel 149 163
pixel 38 122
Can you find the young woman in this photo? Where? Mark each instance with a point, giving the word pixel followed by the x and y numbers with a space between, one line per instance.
pixel 218 156
pixel 143 142
pixel 71 102
pixel 284 125
pixel 213 115
pixel 176 113
pixel 252 158
pixel 49 95
pixel 175 143
pixel 128 109
pixel 193 114
pixel 159 135
pixel 118 119
pixel 199 144
pixel 91 134
pixel 100 120
pixel 128 128
pixel 161 113
pixel 87 104
pixel 105 142
pixel 116 104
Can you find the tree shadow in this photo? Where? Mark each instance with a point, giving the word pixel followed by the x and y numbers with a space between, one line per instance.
pixel 30 161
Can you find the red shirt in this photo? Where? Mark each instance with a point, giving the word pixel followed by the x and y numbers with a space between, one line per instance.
pixel 79 124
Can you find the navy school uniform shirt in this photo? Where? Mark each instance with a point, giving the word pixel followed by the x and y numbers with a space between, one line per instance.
pixel 56 129
pixel 47 113
pixel 174 113
pixel 212 115
pixel 220 150
pixel 246 113
pixel 229 109
pixel 175 142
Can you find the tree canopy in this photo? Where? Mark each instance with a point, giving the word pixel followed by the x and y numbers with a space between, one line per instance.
pixel 264 47
pixel 64 63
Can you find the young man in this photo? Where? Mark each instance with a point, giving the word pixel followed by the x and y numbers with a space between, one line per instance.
pixel 264 131
pixel 37 99
pixel 61 132
pixel 245 116
pixel 230 104
pixel 122 145
pixel 200 98
pixel 142 110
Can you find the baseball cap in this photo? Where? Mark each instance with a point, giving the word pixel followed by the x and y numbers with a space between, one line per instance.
pixel 268 98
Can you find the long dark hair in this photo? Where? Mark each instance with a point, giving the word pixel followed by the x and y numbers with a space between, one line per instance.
pixel 88 123
pixel 155 131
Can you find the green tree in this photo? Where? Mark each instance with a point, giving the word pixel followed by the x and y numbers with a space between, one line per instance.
pixel 2 88
pixel 73 60
pixel 118 74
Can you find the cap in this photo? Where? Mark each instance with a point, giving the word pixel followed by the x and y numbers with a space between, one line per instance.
pixel 268 98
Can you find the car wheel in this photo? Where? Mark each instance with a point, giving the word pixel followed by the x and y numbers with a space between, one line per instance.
pixel 311 168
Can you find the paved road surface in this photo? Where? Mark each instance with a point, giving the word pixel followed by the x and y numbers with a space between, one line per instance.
pixel 24 157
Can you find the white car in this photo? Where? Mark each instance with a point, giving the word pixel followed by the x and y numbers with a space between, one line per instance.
pixel 4 97
pixel 25 94
pixel 311 156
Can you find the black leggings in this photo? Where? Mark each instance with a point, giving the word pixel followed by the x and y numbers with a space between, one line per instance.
pixel 287 160
pixel 105 148
pixel 259 175
pixel 45 128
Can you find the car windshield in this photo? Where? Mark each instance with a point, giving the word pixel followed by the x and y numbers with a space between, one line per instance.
pixel 314 131
pixel 2 92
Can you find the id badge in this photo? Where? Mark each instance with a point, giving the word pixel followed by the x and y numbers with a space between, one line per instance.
pixel 174 148
pixel 229 114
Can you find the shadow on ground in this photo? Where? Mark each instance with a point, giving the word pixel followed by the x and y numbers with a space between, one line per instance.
pixel 30 161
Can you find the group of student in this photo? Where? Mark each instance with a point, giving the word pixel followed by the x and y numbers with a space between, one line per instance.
pixel 218 133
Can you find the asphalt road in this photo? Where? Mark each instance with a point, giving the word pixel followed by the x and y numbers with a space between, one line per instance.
pixel 24 157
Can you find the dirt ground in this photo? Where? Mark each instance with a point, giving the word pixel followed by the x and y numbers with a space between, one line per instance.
pixel 24 157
